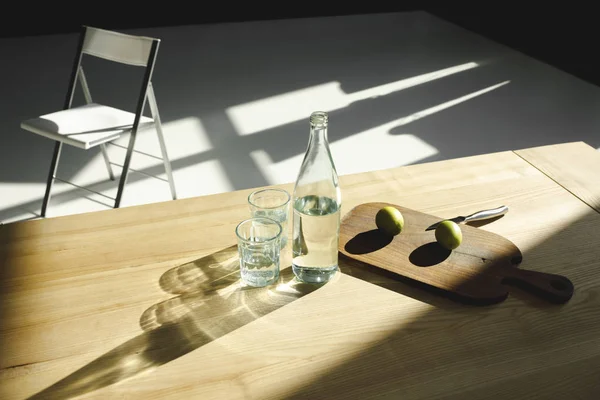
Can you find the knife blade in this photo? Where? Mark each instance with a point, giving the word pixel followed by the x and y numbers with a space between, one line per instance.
pixel 477 216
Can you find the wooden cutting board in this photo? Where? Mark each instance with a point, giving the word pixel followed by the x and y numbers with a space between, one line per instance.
pixel 481 270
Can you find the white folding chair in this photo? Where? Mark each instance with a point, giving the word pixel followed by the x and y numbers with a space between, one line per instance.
pixel 93 124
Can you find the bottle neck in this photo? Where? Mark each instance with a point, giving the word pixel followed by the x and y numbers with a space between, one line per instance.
pixel 317 176
pixel 318 129
pixel 318 135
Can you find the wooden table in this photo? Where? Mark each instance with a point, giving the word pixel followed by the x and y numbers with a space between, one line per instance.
pixel 145 302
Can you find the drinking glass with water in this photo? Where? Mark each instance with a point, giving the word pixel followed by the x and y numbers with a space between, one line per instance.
pixel 259 247
pixel 274 204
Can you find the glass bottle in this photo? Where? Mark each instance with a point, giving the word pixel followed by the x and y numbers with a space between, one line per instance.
pixel 316 201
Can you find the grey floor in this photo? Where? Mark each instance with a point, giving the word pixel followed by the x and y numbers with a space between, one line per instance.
pixel 235 100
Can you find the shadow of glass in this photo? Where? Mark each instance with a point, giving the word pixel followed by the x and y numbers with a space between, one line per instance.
pixel 204 275
pixel 220 311
pixel 212 305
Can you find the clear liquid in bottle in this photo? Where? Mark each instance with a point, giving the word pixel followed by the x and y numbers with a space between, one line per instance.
pixel 317 203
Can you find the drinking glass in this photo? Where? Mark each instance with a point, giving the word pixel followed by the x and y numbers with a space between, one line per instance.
pixel 274 204
pixel 259 247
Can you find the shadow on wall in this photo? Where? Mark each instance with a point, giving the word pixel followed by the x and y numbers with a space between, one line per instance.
pixel 194 76
pixel 279 142
pixel 203 71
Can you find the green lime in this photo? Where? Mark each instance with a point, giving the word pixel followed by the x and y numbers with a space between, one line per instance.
pixel 389 220
pixel 448 234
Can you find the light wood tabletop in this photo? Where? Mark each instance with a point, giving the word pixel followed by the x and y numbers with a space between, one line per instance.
pixel 145 302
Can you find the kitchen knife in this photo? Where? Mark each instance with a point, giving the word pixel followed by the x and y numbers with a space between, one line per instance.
pixel 479 215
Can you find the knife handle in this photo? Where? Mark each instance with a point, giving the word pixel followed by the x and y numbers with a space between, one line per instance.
pixel 486 214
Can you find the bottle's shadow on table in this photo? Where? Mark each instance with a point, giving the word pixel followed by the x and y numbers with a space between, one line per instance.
pixel 209 301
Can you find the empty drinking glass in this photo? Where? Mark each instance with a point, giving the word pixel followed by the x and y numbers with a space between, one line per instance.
pixel 259 246
pixel 274 204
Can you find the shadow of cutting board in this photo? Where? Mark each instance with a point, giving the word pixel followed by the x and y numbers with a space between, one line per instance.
pixel 481 270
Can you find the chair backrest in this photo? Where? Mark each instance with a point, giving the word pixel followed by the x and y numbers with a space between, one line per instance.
pixel 118 47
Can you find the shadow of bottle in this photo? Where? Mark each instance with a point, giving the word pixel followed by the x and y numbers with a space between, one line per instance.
pixel 211 303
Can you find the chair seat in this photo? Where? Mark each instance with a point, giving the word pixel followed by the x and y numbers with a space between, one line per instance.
pixel 85 126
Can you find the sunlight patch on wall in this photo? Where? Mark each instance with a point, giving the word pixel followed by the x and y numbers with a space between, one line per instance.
pixel 208 177
pixel 369 150
pixel 294 106
pixel 383 150
pixel 185 137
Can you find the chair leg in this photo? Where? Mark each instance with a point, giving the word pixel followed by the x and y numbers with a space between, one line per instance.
pixel 51 176
pixel 107 161
pixel 165 156
pixel 125 171
pixel 161 139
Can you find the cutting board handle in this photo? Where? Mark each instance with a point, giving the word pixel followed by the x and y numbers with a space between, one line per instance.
pixel 554 288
